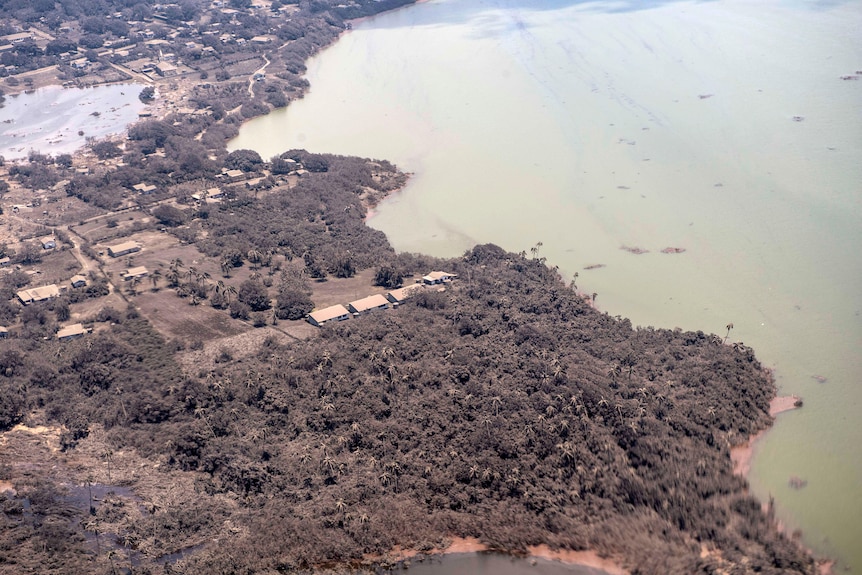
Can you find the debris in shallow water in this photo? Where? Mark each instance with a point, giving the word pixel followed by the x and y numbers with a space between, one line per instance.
pixel 705 96
pixel 798 118
pixel 634 250
pixel 797 482
pixel 673 250
pixel 594 266
pixel 820 378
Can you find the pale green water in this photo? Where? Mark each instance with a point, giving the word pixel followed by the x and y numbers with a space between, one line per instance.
pixel 581 125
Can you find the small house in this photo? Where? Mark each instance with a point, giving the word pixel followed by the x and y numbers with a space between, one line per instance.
pixel 78 281
pixel 71 332
pixel 166 69
pixel 4 261
pixel 139 272
pixel 37 294
pixel 397 296
pixel 368 304
pixel 435 278
pixel 234 175
pixel 144 188
pixel 332 313
pixel 4 332
pixel 123 249
pixel 48 243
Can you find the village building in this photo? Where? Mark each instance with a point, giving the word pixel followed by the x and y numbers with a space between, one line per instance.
pixel 234 175
pixel 435 278
pixel 71 332
pixel 78 281
pixel 48 243
pixel 166 69
pixel 4 261
pixel 144 188
pixel 368 304
pixel 37 294
pixel 123 249
pixel 4 332
pixel 332 313
pixel 18 37
pixel 135 273
pixel 398 296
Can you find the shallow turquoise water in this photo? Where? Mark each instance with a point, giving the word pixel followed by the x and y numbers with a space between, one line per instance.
pixel 723 128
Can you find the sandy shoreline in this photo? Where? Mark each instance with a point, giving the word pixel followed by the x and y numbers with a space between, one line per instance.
pixel 587 558
pixel 741 455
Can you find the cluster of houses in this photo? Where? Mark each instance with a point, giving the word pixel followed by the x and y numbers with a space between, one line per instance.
pixel 376 302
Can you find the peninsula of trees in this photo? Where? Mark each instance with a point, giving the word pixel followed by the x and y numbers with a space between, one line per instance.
pixel 189 420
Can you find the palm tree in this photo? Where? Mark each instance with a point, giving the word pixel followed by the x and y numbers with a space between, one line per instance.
pixel 496 401
pixel 154 277
pixel 133 285
pixel 329 464
pixel 567 451
pixel 535 249
pixel 729 327
pixel 254 256
pixel 226 267
pixel 228 291
pixel 111 555
pixel 203 277
pixel 385 478
pixel 173 277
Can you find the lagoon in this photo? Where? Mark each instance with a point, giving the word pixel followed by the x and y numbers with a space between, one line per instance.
pixel 721 128
pixel 49 119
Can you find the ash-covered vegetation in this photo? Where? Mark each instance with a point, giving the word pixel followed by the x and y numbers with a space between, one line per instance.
pixel 504 408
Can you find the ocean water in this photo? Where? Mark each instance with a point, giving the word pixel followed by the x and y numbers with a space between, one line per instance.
pixel 49 119
pixel 722 128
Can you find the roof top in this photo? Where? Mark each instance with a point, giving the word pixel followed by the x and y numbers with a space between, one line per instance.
pixel 439 276
pixel 124 246
pixel 329 313
pixel 71 330
pixel 136 271
pixel 370 302
pixel 39 293
pixel 405 292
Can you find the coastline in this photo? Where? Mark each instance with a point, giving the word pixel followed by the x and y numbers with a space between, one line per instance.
pixel 741 455
pixel 460 545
